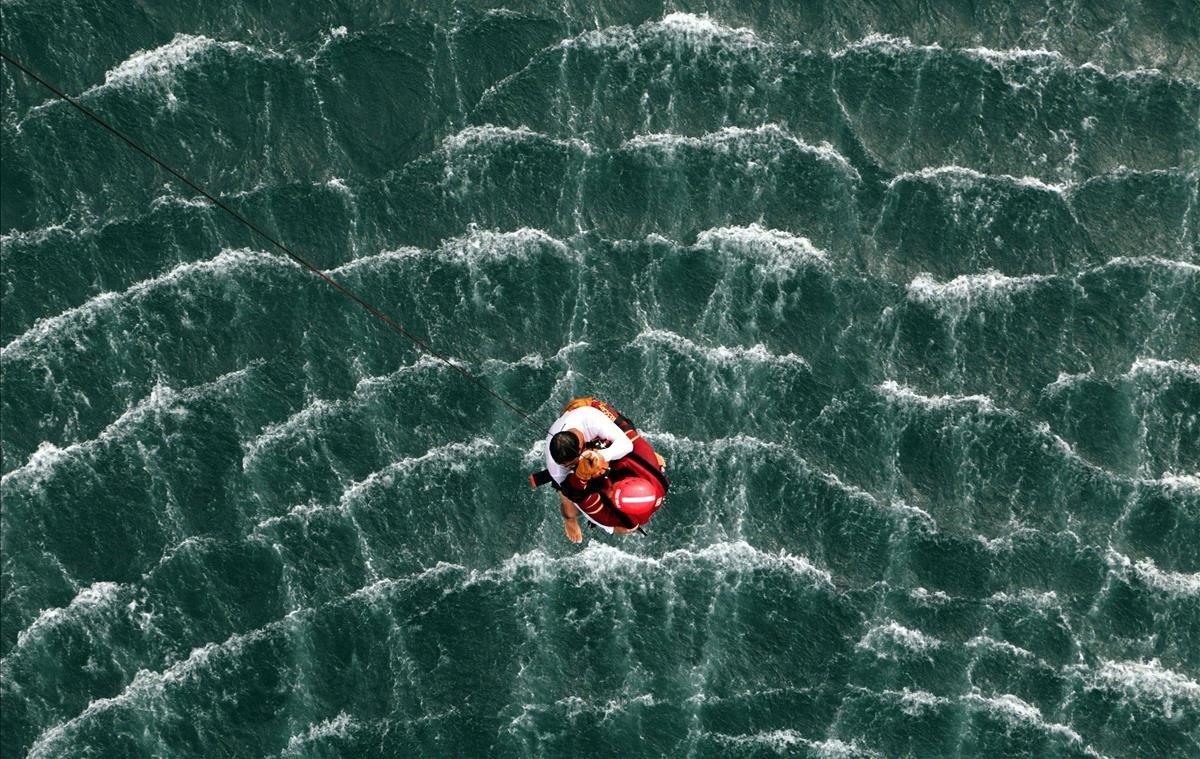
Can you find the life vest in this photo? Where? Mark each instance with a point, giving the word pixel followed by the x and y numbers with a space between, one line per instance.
pixel 594 497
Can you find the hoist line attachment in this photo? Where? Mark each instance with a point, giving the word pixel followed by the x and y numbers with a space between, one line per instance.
pixel 341 288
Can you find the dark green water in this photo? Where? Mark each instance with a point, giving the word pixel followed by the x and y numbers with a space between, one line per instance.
pixel 909 296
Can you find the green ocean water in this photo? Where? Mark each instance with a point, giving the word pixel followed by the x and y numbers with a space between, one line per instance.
pixel 907 294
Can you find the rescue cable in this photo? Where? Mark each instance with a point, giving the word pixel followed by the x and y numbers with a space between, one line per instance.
pixel 341 288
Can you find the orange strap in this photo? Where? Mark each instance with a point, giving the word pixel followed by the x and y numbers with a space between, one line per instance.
pixel 580 402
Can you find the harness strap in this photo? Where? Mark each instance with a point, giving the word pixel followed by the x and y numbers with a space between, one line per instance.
pixel 654 470
pixel 537 479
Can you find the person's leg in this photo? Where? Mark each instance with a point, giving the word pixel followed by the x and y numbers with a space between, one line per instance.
pixel 570 519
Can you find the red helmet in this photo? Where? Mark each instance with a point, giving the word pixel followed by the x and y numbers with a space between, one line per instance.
pixel 635 497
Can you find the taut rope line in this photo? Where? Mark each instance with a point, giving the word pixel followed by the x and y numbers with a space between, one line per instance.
pixel 371 309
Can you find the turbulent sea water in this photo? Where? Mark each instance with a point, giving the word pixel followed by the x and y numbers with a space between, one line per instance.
pixel 908 294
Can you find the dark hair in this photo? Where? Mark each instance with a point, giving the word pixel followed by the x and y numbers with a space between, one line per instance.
pixel 564 447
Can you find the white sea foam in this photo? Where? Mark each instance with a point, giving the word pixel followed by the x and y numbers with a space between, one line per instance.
pixel 914 703
pixel 599 559
pixel 1174 584
pixel 1007 705
pixel 474 139
pixel 539 360
pixel 1050 440
pixel 897 392
pixel 967 289
pixel 1043 601
pixel 854 491
pixel 303 419
pixel 1164 371
pixel 1017 55
pixel 785 741
pixel 378 260
pixel 1066 381
pixel 452 456
pixel 675 29
pixel 1180 484
pixel 303 512
pixel 907 510
pixel 925 597
pixel 424 363
pixel 962 177
pixel 159 66
pixel 161 61
pixel 190 543
pixel 227 263
pixel 619 705
pixel 144 683
pixel 574 706
pixel 1053 441
pixel 481 246
pixel 1178 267
pixel 832 748
pixel 895 505
pixel 1018 713
pixel 44 328
pixel 775 740
pixel 983 641
pixel 38 234
pixel 180 201
pixel 335 727
pixel 886 43
pixel 92 598
pixel 1035 59
pixel 734 444
pixel 308 419
pixel 161 400
pixel 749 446
pixel 1157 370
pixel 720 355
pixel 455 457
pixel 893 639
pixel 468 153
pixel 1148 683
pixel 477 246
pixel 1123 172
pixel 699 26
pixel 732 138
pixel 146 688
pixel 1133 74
pixel 379 589
pixel 771 250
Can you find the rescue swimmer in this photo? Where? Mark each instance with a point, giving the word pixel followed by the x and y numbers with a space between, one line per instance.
pixel 602 468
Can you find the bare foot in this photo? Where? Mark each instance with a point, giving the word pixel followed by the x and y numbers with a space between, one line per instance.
pixel 571 527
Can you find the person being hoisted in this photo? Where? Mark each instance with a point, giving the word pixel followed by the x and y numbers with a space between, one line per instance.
pixel 602 468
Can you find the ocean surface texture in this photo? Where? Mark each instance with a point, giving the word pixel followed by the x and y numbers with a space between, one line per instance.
pixel 907 293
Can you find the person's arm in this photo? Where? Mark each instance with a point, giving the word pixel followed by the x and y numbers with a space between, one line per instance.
pixel 600 426
pixel 570 519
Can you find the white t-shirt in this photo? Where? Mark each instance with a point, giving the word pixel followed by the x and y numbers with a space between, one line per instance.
pixel 594 424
